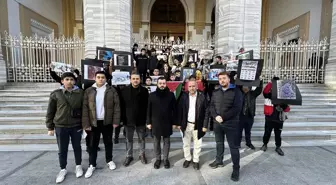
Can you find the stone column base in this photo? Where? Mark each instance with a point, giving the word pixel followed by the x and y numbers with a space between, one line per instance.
pixel 330 74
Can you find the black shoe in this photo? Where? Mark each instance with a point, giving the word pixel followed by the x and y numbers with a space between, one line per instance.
pixel 143 159
pixel 186 164
pixel 215 165
pixel 235 175
pixel 98 149
pixel 166 164
pixel 279 151
pixel 128 161
pixel 157 164
pixel 264 148
pixel 196 166
pixel 116 140
pixel 250 146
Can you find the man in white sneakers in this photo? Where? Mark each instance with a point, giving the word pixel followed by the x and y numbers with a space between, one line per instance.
pixel 101 113
pixel 64 117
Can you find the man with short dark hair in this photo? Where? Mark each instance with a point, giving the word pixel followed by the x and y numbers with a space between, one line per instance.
pixel 134 99
pixel 161 118
pixel 64 115
pixel 101 113
pixel 142 61
pixel 225 106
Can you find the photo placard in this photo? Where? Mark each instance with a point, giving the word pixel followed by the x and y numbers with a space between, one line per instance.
pixel 89 68
pixel 249 71
pixel 245 55
pixel 232 65
pixel 103 53
pixel 155 79
pixel 213 74
pixel 60 67
pixel 192 56
pixel 151 88
pixel 121 58
pixel 285 92
pixel 187 72
pixel 121 77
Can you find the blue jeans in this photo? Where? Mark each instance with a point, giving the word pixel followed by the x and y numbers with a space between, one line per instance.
pixel 63 136
pixel 231 135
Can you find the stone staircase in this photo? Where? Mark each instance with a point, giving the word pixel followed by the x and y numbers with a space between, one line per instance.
pixel 23 108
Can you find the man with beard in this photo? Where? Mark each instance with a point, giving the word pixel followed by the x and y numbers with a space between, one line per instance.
pixel 225 106
pixel 161 117
pixel 194 122
pixel 134 100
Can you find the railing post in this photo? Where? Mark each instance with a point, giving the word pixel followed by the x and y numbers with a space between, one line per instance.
pixel 3 72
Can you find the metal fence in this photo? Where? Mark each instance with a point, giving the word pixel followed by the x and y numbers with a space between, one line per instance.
pixel 28 58
pixel 303 62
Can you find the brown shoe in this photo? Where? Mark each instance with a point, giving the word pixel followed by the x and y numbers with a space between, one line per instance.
pixel 143 159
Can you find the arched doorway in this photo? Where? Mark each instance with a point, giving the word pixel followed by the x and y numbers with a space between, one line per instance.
pixel 168 18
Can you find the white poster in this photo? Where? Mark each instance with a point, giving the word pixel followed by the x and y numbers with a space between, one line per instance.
pixel 60 67
pixel 155 79
pixel 248 70
pixel 121 78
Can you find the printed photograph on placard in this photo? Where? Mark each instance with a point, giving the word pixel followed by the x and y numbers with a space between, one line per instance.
pixel 155 79
pixel 286 89
pixel 105 54
pixel 245 55
pixel 90 72
pixel 122 60
pixel 121 78
pixel 192 56
pixel 213 74
pixel 60 67
pixel 151 88
pixel 232 65
pixel 248 70
pixel 206 54
pixel 187 72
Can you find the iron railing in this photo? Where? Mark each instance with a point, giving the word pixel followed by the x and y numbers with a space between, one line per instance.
pixel 28 58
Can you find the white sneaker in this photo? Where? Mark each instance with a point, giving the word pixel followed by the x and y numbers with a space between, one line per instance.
pixel 79 171
pixel 89 171
pixel 61 176
pixel 111 165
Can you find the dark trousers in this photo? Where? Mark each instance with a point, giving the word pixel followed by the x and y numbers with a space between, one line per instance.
pixel 231 135
pixel 245 123
pixel 157 147
pixel 143 75
pixel 87 140
pixel 117 132
pixel 141 131
pixel 106 131
pixel 211 125
pixel 63 136
pixel 269 126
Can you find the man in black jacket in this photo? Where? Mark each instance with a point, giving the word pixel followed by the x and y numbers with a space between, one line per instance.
pixel 134 103
pixel 161 118
pixel 64 116
pixel 153 62
pixel 142 61
pixel 247 114
pixel 225 107
pixel 194 122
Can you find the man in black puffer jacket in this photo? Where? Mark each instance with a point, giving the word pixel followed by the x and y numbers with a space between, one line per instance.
pixel 225 107
pixel 142 61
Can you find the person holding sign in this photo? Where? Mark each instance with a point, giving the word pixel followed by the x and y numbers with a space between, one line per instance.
pixel 274 119
pixel 101 113
pixel 225 106
pixel 247 114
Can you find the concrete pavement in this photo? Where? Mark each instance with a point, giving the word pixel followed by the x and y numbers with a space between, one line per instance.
pixel 299 166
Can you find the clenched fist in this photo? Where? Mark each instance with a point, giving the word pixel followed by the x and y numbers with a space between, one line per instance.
pixel 51 133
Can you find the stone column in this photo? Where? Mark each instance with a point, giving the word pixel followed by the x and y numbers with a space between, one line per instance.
pixel 3 73
pixel 330 69
pixel 238 24
pixel 107 22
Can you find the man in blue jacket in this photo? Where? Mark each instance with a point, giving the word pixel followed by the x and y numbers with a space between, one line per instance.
pixel 225 106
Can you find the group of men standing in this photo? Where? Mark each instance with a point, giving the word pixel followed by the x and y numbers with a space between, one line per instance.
pixel 101 108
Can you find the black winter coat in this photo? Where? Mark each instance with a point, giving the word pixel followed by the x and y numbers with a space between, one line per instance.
pixel 227 104
pixel 134 108
pixel 153 63
pixel 142 63
pixel 161 112
pixel 202 113
pixel 249 101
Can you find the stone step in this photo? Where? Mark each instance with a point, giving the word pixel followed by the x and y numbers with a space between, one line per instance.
pixel 292 118
pixel 175 138
pixel 257 126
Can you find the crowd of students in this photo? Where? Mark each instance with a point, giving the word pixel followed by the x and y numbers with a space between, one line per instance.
pixel 223 107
